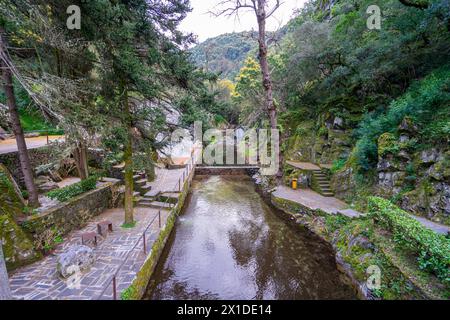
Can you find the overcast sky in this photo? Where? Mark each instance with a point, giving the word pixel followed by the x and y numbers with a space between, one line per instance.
pixel 205 26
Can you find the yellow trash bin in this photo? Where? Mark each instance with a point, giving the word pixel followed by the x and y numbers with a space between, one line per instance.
pixel 294 184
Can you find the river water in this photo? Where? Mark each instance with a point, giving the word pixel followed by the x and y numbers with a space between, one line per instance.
pixel 228 244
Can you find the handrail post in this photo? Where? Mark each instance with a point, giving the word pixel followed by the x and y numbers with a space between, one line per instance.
pixel 145 245
pixel 159 218
pixel 114 288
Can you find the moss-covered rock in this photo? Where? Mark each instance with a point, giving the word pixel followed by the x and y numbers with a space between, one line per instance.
pixel 17 247
pixel 11 200
pixel 387 143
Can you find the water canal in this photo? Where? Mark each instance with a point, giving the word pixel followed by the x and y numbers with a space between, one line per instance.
pixel 228 244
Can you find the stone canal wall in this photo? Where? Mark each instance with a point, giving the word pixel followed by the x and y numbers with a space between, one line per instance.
pixel 75 213
pixel 300 215
pixel 139 285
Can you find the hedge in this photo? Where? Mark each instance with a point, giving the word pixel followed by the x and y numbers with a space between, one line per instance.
pixel 74 190
pixel 433 249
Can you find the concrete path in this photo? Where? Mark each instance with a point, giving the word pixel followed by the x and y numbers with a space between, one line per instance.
pixel 9 145
pixel 303 165
pixel 439 228
pixel 166 181
pixel 310 199
pixel 313 200
pixel 40 281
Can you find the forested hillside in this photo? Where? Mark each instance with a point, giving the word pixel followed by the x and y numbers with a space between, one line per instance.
pixel 224 54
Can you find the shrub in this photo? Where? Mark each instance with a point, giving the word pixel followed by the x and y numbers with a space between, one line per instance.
pixel 425 103
pixel 338 165
pixel 73 190
pixel 433 249
pixel 387 143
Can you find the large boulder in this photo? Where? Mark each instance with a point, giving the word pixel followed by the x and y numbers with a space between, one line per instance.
pixel 76 258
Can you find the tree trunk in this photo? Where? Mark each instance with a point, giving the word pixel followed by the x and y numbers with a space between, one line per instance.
pixel 5 292
pixel 263 51
pixel 80 156
pixel 128 158
pixel 266 78
pixel 17 127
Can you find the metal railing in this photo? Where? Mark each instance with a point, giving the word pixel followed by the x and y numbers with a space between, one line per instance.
pixel 181 181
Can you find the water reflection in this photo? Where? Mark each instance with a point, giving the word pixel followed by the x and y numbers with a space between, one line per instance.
pixel 229 244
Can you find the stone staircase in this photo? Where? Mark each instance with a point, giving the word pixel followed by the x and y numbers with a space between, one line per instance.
pixel 321 184
pixel 164 200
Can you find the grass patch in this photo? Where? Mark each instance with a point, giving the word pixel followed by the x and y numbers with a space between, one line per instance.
pixel 129 225
pixel 74 190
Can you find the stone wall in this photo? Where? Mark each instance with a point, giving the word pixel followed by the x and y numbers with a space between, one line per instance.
pixel 38 157
pixel 75 213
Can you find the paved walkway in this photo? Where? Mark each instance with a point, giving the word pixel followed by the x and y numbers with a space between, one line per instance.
pixel 310 199
pixel 165 181
pixel 40 281
pixel 439 228
pixel 9 145
pixel 330 205
pixel 303 165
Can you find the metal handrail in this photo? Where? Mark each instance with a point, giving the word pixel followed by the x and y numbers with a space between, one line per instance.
pixel 114 276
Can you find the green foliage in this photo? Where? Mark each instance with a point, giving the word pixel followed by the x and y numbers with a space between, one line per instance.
pixel 433 249
pixel 425 102
pixel 388 143
pixel 128 293
pixel 48 239
pixel 129 225
pixel 338 165
pixel 32 120
pixel 73 190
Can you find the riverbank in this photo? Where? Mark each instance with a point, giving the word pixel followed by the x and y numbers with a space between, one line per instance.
pixel 359 243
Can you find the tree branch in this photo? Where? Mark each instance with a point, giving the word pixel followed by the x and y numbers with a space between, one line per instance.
pixel 419 5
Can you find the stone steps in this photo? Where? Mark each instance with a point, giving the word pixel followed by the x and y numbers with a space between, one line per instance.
pixel 155 204
pixel 321 183
pixel 171 197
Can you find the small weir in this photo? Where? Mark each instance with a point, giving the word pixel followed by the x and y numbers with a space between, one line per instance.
pixel 229 244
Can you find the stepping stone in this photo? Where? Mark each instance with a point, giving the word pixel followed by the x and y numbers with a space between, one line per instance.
pixel 152 193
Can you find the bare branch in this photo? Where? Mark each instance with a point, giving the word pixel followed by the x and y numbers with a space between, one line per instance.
pixel 275 8
pixel 232 7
